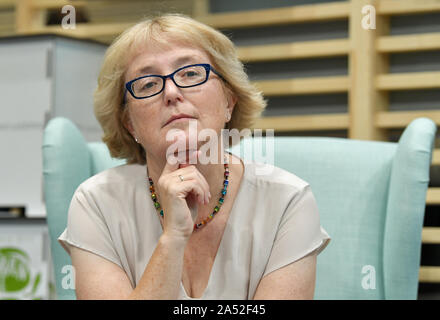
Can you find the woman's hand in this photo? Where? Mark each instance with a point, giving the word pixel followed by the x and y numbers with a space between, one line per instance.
pixel 179 199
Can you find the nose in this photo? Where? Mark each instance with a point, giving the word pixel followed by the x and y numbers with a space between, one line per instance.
pixel 171 92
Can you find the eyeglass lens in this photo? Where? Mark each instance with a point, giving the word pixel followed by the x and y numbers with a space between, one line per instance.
pixel 185 77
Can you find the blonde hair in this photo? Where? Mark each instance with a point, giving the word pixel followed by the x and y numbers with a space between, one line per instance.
pixel 108 96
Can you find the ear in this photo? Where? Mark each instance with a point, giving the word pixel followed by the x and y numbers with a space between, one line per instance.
pixel 126 120
pixel 232 101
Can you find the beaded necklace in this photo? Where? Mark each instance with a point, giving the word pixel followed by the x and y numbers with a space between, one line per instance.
pixel 216 208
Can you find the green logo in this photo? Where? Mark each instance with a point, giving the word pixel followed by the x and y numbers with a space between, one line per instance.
pixel 15 274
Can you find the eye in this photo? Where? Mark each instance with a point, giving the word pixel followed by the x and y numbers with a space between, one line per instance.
pixel 149 85
pixel 190 73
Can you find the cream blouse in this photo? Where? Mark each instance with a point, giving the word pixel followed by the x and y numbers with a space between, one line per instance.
pixel 273 222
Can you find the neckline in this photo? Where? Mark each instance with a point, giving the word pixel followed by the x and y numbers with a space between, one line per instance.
pixel 226 233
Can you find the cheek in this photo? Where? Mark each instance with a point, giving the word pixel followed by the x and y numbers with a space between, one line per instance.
pixel 144 120
pixel 214 105
pixel 212 119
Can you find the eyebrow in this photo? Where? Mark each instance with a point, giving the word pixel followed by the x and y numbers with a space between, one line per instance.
pixel 176 64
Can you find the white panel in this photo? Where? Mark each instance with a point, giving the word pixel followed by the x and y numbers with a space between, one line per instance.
pixel 40 75
pixel 76 73
pixel 24 102
pixel 24 82
pixel 21 170
pixel 23 59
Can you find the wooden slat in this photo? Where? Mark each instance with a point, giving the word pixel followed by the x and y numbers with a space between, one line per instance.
pixel 55 4
pixel 407 43
pixel 4 4
pixel 436 157
pixel 433 196
pixel 44 4
pixel 431 235
pixel 364 64
pixel 308 49
pixel 23 16
pixel 400 119
pixel 429 274
pixel 110 11
pixel 200 8
pixel 85 30
pixel 267 17
pixel 304 122
pixel 407 6
pixel 303 86
pixel 410 81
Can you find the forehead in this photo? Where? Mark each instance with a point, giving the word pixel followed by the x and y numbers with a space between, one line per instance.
pixel 157 57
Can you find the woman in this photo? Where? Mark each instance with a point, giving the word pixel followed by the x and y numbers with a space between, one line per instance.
pixel 161 229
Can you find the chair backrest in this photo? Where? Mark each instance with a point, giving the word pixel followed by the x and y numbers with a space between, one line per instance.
pixel 68 160
pixel 371 197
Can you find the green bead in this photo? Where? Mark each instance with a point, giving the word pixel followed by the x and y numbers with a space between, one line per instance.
pixel 216 209
pixel 157 205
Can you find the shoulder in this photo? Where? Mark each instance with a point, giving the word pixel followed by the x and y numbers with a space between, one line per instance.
pixel 120 178
pixel 264 175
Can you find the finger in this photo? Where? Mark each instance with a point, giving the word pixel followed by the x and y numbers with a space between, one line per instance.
pixel 202 179
pixel 192 186
pixel 205 187
pixel 192 155
pixel 205 184
pixel 193 173
pixel 172 161
pixel 202 191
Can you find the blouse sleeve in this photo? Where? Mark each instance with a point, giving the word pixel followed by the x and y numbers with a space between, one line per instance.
pixel 299 233
pixel 87 228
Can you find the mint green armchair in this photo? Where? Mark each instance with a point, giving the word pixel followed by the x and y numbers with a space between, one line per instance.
pixel 371 197
pixel 68 160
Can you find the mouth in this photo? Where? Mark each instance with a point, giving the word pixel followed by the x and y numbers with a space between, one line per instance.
pixel 178 118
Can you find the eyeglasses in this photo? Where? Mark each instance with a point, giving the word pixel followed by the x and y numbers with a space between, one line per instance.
pixel 185 77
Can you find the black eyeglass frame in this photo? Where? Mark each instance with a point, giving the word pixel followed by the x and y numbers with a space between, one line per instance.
pixel 129 84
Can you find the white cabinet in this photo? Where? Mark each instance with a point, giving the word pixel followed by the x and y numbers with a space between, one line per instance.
pixel 41 77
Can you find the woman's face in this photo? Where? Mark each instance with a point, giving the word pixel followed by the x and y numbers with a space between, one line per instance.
pixel 208 103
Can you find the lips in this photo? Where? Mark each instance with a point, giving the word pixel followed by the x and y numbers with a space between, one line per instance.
pixel 178 116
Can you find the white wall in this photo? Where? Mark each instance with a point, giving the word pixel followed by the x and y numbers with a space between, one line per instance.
pixel 41 77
